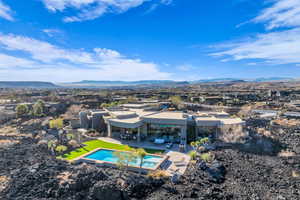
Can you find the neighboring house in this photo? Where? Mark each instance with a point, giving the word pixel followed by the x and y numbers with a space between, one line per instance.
pixel 266 114
pixel 292 115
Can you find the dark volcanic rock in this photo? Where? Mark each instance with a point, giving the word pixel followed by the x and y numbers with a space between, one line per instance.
pixel 33 173
pixel 106 191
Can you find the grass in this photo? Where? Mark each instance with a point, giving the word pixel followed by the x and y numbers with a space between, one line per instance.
pixel 94 144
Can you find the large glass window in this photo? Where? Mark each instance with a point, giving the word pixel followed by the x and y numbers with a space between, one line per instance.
pixel 171 133
pixel 205 131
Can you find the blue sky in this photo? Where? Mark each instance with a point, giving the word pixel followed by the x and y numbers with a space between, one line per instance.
pixel 73 40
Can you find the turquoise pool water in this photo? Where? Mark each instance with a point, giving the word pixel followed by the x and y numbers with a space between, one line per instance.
pixel 150 161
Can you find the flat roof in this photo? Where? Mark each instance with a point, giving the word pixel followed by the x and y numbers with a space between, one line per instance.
pixel 209 113
pixel 166 115
pixel 127 120
pixel 135 105
pixel 142 112
pixel 213 121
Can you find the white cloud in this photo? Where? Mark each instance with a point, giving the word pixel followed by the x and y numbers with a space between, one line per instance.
pixel 42 51
pixel 107 53
pixel 92 9
pixel 185 68
pixel 7 61
pixel 282 13
pixel 48 62
pixel 52 32
pixel 5 11
pixel 276 48
pixel 166 2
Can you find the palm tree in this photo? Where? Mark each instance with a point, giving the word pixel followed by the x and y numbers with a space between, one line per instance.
pixel 141 153
pixel 193 144
pixel 124 159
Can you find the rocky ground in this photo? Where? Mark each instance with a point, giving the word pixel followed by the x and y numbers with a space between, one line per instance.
pixel 27 171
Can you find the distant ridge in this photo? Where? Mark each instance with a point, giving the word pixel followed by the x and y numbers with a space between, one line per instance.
pixel 147 83
pixel 124 83
pixel 27 84
pixel 164 83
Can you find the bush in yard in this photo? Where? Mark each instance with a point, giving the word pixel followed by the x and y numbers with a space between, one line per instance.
pixel 70 136
pixel 207 157
pixel 193 155
pixel 56 123
pixel 61 148
pixel 204 140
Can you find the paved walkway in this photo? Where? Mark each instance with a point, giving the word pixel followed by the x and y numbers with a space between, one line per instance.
pixel 177 162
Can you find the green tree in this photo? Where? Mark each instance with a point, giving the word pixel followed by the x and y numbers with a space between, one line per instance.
pixel 141 153
pixel 22 110
pixel 41 102
pixel 56 123
pixel 38 108
pixel 176 100
pixel 124 159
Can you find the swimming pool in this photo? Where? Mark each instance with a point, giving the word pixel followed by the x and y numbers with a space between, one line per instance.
pixel 106 155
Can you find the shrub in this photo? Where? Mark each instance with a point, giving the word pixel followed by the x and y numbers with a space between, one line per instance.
pixel 22 109
pixel 204 140
pixel 56 123
pixel 193 155
pixel 70 136
pixel 61 148
pixel 38 108
pixel 207 157
pixel 158 174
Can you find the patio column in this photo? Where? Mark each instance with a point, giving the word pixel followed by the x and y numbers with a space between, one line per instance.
pixel 145 131
pixel 109 131
pixel 139 134
pixel 184 134
pixel 123 130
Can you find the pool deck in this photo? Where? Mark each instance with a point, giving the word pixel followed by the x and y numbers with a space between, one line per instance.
pixel 177 162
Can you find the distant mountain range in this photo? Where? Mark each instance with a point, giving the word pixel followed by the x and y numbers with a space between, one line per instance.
pixel 124 83
pixel 27 84
pixel 270 79
pixel 91 83
pixel 106 84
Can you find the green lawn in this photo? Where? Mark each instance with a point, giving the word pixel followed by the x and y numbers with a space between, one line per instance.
pixel 94 144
